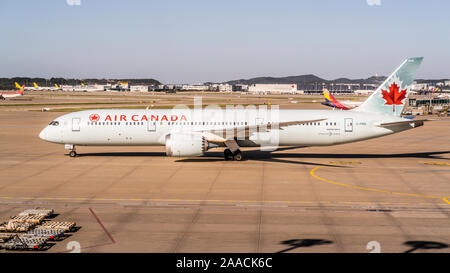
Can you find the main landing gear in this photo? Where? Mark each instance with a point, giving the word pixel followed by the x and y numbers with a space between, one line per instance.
pixel 229 155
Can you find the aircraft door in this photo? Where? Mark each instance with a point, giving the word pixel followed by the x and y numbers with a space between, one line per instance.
pixel 151 126
pixel 76 124
pixel 348 125
pixel 259 121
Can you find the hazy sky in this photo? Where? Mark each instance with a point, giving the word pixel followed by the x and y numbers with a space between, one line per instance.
pixel 193 41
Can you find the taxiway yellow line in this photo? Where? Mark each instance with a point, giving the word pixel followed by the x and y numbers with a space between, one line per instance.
pixel 446 200
pixel 292 202
pixel 435 163
pixel 312 172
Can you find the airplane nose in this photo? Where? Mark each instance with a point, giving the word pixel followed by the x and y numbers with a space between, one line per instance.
pixel 44 134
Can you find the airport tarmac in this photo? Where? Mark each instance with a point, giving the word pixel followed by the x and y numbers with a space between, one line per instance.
pixel 394 191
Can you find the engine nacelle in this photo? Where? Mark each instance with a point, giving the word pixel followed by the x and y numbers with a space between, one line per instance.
pixel 184 144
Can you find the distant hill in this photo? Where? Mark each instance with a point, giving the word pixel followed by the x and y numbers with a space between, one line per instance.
pixel 281 80
pixel 303 80
pixel 308 81
pixel 431 81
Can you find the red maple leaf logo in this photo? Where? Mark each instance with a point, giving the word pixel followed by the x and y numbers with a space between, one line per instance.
pixel 393 96
pixel 94 117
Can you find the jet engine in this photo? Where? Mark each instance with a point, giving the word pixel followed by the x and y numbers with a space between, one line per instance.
pixel 183 144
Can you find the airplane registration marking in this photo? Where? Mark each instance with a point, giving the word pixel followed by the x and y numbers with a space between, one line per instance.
pixel 312 172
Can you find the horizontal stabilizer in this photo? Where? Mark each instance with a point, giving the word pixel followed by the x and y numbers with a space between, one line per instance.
pixel 415 123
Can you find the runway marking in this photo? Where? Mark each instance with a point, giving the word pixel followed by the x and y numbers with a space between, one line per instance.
pixel 446 200
pixel 435 163
pixel 347 162
pixel 362 203
pixel 372 189
pixel 103 227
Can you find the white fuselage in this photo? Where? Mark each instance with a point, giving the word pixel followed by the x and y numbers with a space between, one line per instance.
pixel 139 127
pixel 11 95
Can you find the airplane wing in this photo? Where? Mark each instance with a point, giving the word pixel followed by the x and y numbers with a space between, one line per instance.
pixel 416 123
pixel 222 135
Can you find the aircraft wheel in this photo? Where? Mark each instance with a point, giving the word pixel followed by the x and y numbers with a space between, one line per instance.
pixel 73 154
pixel 238 155
pixel 228 155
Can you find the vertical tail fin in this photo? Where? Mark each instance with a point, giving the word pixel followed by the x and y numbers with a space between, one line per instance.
pixel 17 85
pixel 328 96
pixel 35 84
pixel 390 97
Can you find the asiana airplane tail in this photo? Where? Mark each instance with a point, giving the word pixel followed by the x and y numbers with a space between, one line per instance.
pixel 331 101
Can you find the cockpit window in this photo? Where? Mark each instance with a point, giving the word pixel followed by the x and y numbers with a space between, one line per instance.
pixel 54 123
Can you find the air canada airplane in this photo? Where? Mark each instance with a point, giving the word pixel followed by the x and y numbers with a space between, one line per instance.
pixel 191 132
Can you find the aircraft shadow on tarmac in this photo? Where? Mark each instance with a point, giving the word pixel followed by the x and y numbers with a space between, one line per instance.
pixel 258 155
pixel 417 245
pixel 297 243
pixel 118 154
pixel 414 245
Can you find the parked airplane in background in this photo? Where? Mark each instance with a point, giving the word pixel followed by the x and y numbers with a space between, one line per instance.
pixel 191 132
pixel 332 102
pixel 36 87
pixel 12 95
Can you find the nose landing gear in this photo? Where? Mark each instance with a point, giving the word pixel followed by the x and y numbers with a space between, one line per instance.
pixel 71 147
